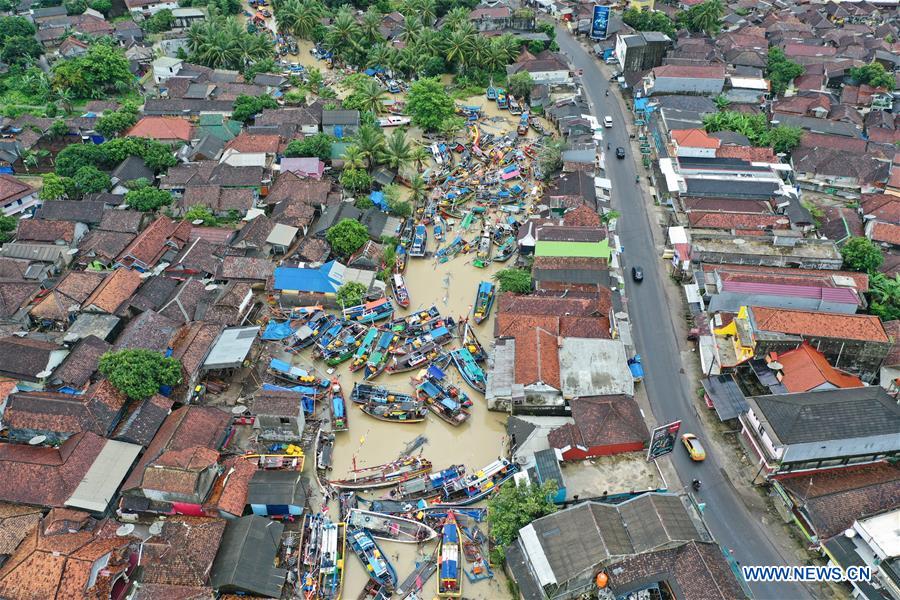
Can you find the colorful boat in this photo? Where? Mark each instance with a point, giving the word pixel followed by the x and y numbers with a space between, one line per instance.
pixel 514 106
pixel 338 407
pixel 304 377
pixel 396 412
pixel 443 398
pixel 400 259
pixel 420 238
pixel 469 369
pixel 345 345
pixel 396 507
pixel 406 232
pixel 331 559
pixel 502 99
pixel 484 300
pixel 468 341
pixel 415 581
pixel 309 332
pixel 310 554
pixel 428 485
pixel 386 475
pixel 447 252
pixel 401 293
pixel 439 335
pixel 370 312
pixel 375 562
pixel 439 230
pixel 391 527
pixel 361 355
pixel 506 250
pixel 379 358
pixel 374 591
pixel 492 92
pixel 449 583
pixel 477 486
pixel 484 244
pixel 328 336
pixel 364 393
pixel 417 323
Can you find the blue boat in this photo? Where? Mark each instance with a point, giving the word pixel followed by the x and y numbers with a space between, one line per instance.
pixel 439 228
pixel 491 92
pixel 420 238
pixel 477 486
pixel 310 331
pixel 469 369
pixel 365 393
pixel 379 358
pixel 484 300
pixel 449 583
pixel 362 351
pixel 307 378
pixel 374 561
pixel 429 484
pixel 329 336
pixel 338 407
pixel 369 312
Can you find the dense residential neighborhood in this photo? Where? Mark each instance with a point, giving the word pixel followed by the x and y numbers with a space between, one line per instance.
pixel 537 299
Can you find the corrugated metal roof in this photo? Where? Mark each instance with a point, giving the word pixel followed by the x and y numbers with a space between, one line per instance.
pixel 99 485
pixel 843 295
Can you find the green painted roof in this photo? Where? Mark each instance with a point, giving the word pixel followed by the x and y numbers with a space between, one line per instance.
pixel 218 127
pixel 577 249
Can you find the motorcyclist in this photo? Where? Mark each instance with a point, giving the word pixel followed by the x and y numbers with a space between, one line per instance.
pixel 696 484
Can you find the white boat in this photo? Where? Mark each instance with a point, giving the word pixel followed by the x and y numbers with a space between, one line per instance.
pixel 393 121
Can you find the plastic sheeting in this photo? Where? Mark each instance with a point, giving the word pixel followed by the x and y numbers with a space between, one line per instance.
pixel 277 331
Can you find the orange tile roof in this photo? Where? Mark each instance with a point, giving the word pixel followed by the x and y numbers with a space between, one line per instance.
pixel 115 290
pixel 162 128
pixel 248 142
pixel 886 232
pixel 819 324
pixel 695 138
pixel 537 355
pixel 735 220
pixel 747 153
pixel 805 369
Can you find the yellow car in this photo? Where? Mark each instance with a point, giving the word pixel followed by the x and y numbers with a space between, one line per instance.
pixel 693 446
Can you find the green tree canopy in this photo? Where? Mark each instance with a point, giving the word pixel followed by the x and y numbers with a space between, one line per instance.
pixel 91 180
pixel 163 20
pixel 780 70
pixel 517 281
pixel 520 84
pixel 428 104
pixel 356 181
pixel 199 212
pixel 247 107
pixel 7 227
pixel 112 123
pixel 705 17
pixel 347 237
pixel 318 145
pixel 351 293
pixel 884 296
pixel 139 373
pixel 550 157
pixel 873 74
pixel 103 70
pixel 56 187
pixel 649 20
pixel 514 507
pixel 148 199
pixel 102 6
pixel 755 128
pixel 860 254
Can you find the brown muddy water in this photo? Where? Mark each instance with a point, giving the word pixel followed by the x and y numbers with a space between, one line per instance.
pixel 451 287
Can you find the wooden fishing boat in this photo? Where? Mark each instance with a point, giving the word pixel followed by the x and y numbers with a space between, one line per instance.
pixel 428 485
pixel 477 486
pixel 345 345
pixel 491 92
pixel 449 213
pixel 309 332
pixel 417 323
pixel 361 354
pixel 502 99
pixel 310 554
pixel 370 312
pixel 449 583
pixel 375 562
pixel 468 341
pixel 484 244
pixel 418 578
pixel 514 106
pixel 401 293
pixel 484 300
pixel 391 527
pixel 440 229
pixel 364 393
pixel 378 360
pixel 415 359
pixel 328 336
pixel 447 252
pixel 420 238
pixel 382 476
pixel 406 232
pixel 324 450
pixel 400 260
pixel 305 377
pixel 448 402
pixel 374 591
pixel 506 250
pixel 396 412
pixel 338 407
pixel 469 369
pixel 331 559
pixel 439 335
pixel 409 509
pixel 480 567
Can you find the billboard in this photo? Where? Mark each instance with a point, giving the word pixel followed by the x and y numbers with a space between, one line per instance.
pixel 663 440
pixel 600 23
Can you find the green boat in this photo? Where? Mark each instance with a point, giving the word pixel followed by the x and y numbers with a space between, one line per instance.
pixel 362 351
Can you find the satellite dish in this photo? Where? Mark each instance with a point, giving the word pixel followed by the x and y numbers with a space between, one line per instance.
pixel 238 409
pixel 72 251
pixel 37 440
pixel 197 222
pixel 210 286
pixel 850 533
pixel 43 374
pixel 125 529
pixel 775 365
pixel 156 528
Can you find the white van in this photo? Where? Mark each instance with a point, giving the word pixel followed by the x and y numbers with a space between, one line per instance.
pixel 607 121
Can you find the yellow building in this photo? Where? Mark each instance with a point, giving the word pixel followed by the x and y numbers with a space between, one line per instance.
pixel 641 4
pixel 734 340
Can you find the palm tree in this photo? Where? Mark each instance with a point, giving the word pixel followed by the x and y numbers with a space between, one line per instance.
pixel 372 95
pixel 509 45
pixel 481 46
pixel 418 155
pixel 353 158
pixel 344 32
pixel 708 16
pixel 65 99
pixel 379 55
pixel 396 152
pixel 410 29
pixel 427 11
pixel 370 26
pixel 458 48
pixel 494 57
pixel 456 17
pixel 417 188
pixel 370 142
pixel 428 42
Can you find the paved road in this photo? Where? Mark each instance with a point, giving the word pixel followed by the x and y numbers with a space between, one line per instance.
pixel 668 388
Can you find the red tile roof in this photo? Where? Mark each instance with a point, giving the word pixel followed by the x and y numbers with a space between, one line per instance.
pixel 537 354
pixel 885 232
pixel 178 471
pixel 747 153
pixel 582 216
pixel 601 421
pixel 796 50
pixel 836 142
pixel 149 246
pixel 42 230
pixel 115 290
pixel 690 72
pixel 229 494
pixel 806 369
pixel 694 138
pixel 819 324
pixel 788 275
pixel 736 220
pixel 162 128
pixel 248 142
pixel 183 553
pixel 13 189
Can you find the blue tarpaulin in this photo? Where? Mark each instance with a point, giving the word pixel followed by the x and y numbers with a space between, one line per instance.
pixel 434 371
pixel 277 331
pixel 309 404
pixel 378 200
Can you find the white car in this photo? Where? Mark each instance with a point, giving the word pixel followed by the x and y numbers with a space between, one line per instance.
pixel 607 121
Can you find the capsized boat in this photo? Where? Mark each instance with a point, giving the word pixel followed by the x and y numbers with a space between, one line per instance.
pixel 375 562
pixel 363 393
pixel 484 300
pixel 469 368
pixel 396 412
pixel 331 559
pixel 449 583
pixel 470 342
pixel 390 527
pixel 369 312
pixel 415 581
pixel 420 238
pixel 394 121
pixel 401 293
pixel 386 475
pixel 338 407
pixel 380 354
